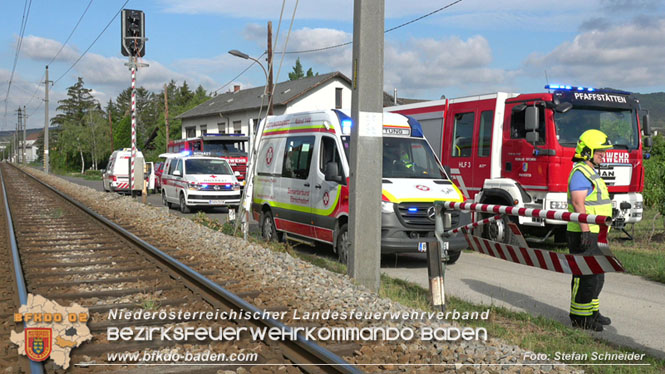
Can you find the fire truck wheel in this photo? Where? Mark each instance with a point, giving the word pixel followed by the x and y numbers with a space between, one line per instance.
pixel 498 231
pixel 453 256
pixel 343 244
pixel 268 229
pixel 183 207
pixel 104 187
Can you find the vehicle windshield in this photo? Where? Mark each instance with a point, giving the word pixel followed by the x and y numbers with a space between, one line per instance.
pixel 225 148
pixel 207 166
pixel 406 158
pixel 620 126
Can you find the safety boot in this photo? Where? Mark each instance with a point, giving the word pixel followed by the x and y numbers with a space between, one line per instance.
pixel 586 323
pixel 602 319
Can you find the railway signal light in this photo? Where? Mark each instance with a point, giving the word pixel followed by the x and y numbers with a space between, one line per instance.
pixel 133 33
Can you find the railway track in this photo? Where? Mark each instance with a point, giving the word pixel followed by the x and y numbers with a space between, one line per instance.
pixel 70 254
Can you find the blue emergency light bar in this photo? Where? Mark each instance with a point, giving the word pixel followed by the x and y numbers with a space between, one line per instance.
pixel 413 210
pixel 563 87
pixel 568 88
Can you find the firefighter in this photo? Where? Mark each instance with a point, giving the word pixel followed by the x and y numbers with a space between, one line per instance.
pixel 587 193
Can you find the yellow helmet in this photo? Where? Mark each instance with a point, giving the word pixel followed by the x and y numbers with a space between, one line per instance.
pixel 589 142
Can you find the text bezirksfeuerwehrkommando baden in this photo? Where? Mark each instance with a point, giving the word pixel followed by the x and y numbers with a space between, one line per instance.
pixel 282 333
pixel 233 315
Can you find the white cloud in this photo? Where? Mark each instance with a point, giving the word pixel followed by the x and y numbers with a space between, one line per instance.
pixel 39 48
pixel 624 56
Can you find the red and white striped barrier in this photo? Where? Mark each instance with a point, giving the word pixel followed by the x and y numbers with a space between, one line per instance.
pixel 122 186
pixel 133 160
pixel 519 252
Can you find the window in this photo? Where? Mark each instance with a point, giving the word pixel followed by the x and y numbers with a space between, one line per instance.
pixel 204 129
pixel 517 128
pixel 190 132
pixel 207 166
pixel 179 167
pixel 338 98
pixel 237 127
pixel 463 134
pixel 485 133
pixel 329 154
pixel 172 165
pixel 221 127
pixel 297 157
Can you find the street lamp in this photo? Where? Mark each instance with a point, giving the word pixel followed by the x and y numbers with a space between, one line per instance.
pixel 245 56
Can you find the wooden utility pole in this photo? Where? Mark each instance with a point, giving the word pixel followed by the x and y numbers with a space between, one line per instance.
pixel 111 127
pixel 166 114
pixel 270 86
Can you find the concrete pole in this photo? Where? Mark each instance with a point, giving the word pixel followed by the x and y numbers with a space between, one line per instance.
pixel 46 146
pixel 18 137
pixel 25 125
pixel 366 143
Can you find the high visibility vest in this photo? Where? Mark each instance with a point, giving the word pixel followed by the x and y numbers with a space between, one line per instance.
pixel 598 202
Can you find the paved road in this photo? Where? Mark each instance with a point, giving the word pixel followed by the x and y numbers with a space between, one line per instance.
pixel 636 306
pixel 154 199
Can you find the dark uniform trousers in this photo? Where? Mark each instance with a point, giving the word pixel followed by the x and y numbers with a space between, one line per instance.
pixel 585 289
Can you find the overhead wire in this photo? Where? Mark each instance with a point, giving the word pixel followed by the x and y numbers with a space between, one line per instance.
pixel 385 32
pixel 24 21
pixel 93 42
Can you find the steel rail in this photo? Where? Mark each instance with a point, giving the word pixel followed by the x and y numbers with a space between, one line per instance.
pixel 35 367
pixel 317 357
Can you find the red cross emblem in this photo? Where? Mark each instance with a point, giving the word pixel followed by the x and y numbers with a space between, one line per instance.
pixel 269 153
pixel 326 198
pixel 422 188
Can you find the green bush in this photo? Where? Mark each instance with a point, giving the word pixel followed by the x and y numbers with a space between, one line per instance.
pixel 654 176
pixel 93 173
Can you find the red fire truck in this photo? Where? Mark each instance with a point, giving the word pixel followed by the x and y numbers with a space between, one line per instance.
pixel 517 149
pixel 232 148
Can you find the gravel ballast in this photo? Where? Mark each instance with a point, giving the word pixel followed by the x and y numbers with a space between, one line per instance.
pixel 307 288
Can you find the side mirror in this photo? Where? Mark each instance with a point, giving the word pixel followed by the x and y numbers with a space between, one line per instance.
pixel 177 173
pixel 332 172
pixel 563 107
pixel 646 127
pixel 531 119
pixel 648 142
pixel 236 173
pixel 532 137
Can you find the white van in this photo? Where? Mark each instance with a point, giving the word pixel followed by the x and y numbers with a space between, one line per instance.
pixel 189 181
pixel 116 176
pixel 302 178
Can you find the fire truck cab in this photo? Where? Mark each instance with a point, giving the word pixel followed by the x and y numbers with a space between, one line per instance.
pixel 517 149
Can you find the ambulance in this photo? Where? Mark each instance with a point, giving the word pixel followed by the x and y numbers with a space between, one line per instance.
pixel 301 183
pixel 115 177
pixel 190 181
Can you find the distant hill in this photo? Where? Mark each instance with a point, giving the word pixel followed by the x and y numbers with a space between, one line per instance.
pixel 655 104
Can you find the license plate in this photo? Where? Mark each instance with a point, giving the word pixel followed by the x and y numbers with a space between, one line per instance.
pixel 216 202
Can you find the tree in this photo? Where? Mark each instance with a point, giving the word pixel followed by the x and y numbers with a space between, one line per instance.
pixel 78 120
pixel 298 72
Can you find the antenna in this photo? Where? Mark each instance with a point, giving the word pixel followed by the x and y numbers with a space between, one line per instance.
pixel 547 79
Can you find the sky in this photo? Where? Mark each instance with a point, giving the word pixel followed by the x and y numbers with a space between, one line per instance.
pixel 471 47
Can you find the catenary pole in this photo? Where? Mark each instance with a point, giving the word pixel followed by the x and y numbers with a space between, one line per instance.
pixel 46 120
pixel 25 125
pixel 366 143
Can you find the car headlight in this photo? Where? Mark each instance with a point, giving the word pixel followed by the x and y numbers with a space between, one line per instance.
pixel 387 207
pixel 558 205
pixel 638 205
